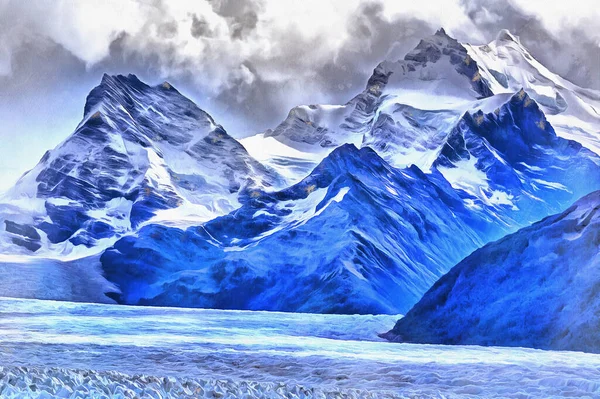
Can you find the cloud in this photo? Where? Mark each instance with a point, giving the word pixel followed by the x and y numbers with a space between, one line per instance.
pixel 200 27
pixel 249 61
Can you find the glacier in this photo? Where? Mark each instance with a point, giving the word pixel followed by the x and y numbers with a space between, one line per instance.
pixel 96 350
pixel 274 265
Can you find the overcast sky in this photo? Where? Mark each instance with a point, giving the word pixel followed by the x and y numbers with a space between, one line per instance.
pixel 245 62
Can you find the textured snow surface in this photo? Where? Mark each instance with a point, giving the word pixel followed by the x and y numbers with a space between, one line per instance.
pixel 261 354
pixel 42 383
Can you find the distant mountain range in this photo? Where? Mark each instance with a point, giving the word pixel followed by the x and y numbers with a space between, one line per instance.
pixel 354 208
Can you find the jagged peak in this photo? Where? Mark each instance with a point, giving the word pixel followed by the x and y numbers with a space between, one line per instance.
pixel 347 157
pixel 112 86
pixel 442 33
pixel 506 36
pixel 120 80
pixel 430 48
pixel 522 98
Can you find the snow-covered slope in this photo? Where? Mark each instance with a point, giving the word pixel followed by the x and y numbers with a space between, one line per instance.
pixel 538 288
pixel 513 164
pixel 355 236
pixel 507 66
pixel 140 153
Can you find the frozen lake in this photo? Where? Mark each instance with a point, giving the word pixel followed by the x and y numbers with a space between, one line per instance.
pixel 333 353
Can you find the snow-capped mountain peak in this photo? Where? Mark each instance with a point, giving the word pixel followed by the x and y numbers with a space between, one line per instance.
pixel 140 153
pixel 437 74
pixel 440 65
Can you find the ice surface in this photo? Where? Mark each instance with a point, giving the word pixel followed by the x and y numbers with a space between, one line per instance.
pixel 27 382
pixel 266 353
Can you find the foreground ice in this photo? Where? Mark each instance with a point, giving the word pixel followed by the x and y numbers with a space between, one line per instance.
pixel 20 382
pixel 132 350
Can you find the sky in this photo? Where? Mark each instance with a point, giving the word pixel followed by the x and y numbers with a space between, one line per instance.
pixel 247 63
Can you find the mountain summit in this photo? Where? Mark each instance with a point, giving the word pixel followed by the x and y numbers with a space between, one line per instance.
pixel 139 153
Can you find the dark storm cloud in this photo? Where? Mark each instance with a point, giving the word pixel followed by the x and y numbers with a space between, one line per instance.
pixel 168 30
pixel 200 27
pixel 243 24
pixel 241 15
pixel 371 37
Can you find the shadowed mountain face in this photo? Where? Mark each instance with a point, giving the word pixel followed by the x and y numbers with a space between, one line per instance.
pixel 536 288
pixel 355 236
pixel 512 160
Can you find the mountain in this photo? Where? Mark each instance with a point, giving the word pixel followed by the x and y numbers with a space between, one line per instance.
pixel 409 106
pixel 536 288
pixel 437 72
pixel 508 66
pixel 511 162
pixel 357 208
pixel 358 235
pixel 355 236
pixel 480 115
pixel 140 153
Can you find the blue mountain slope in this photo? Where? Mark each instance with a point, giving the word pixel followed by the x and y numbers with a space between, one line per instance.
pixel 355 236
pixel 358 235
pixel 512 164
pixel 538 287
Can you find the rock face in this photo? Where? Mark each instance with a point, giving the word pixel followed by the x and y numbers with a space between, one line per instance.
pixel 538 287
pixel 138 150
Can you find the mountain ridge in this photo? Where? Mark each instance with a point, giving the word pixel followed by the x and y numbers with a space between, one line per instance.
pixel 545 282
pixel 352 237
pixel 364 206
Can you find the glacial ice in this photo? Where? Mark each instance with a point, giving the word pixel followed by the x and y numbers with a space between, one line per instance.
pixel 115 348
